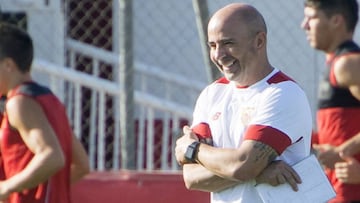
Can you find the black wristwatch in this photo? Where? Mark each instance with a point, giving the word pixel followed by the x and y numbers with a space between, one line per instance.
pixel 191 151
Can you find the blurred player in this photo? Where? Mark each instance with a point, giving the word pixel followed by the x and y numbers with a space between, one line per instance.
pixel 330 26
pixel 40 154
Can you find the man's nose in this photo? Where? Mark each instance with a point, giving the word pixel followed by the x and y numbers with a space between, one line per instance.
pixel 305 24
pixel 219 53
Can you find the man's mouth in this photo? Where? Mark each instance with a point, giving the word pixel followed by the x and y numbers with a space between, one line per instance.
pixel 308 37
pixel 227 65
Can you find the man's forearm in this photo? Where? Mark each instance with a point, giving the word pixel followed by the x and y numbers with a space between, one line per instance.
pixel 197 177
pixel 351 146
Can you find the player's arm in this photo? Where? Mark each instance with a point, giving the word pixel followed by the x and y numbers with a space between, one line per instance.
pixel 80 162
pixel 348 170
pixel 351 146
pixel 26 115
pixel 347 73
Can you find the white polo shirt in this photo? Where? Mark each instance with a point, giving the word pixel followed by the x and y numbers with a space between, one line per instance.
pixel 274 111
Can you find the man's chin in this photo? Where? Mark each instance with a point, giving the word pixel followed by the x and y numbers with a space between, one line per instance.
pixel 230 76
pixel 315 45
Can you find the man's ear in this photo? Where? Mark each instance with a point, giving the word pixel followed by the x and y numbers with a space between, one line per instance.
pixel 337 21
pixel 9 63
pixel 260 40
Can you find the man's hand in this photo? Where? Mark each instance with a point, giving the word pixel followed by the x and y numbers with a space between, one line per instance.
pixel 277 173
pixel 327 155
pixel 182 144
pixel 348 171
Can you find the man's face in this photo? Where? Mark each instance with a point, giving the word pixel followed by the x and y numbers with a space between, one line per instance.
pixel 318 28
pixel 230 47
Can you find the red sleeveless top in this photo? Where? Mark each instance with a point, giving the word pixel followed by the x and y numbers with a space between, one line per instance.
pixel 338 119
pixel 16 155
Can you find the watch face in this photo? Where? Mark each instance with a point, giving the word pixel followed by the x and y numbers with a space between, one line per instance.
pixel 191 151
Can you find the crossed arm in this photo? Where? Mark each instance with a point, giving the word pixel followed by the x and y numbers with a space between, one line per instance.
pixel 218 169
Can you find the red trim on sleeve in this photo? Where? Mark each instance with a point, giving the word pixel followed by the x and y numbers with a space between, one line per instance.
pixel 273 137
pixel 330 61
pixel 202 130
pixel 332 77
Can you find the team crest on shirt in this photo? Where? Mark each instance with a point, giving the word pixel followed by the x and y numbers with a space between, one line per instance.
pixel 246 115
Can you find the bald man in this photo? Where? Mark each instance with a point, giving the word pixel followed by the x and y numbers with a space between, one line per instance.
pixel 256 114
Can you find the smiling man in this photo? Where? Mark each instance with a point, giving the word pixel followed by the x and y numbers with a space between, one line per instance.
pixel 256 115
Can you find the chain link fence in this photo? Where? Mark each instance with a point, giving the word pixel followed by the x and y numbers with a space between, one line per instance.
pixel 169 65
